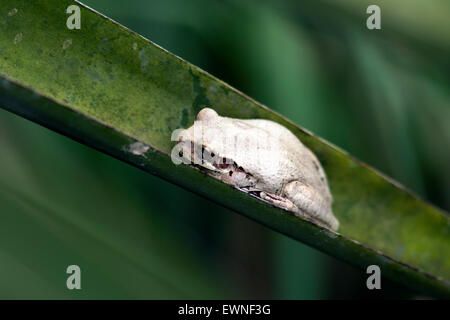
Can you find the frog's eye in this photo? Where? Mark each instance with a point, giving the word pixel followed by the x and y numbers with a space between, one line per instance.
pixel 224 164
pixel 205 150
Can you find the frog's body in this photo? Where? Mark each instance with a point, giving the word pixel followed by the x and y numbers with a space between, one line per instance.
pixel 263 157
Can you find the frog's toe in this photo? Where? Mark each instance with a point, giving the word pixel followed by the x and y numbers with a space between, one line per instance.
pixel 333 223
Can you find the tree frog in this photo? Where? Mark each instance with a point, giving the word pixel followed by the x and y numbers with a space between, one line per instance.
pixel 262 158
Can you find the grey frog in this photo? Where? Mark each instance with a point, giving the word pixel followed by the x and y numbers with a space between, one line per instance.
pixel 263 158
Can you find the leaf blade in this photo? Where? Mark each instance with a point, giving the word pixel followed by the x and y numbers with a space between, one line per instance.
pixel 109 88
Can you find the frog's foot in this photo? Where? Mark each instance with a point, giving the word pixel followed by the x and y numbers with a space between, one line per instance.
pixel 289 206
pixel 278 201
pixel 274 200
pixel 283 203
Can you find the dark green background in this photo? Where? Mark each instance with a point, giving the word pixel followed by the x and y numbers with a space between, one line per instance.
pixel 381 95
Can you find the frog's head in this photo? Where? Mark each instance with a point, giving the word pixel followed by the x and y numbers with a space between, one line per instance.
pixel 207 144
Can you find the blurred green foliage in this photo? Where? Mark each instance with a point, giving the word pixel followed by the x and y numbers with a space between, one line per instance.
pixel 381 95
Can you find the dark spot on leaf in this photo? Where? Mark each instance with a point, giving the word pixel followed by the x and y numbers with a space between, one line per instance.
pixel 184 118
pixel 201 100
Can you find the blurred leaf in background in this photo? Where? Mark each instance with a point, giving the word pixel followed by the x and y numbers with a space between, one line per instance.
pixel 381 95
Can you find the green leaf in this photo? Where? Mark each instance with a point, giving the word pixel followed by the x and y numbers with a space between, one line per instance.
pixel 109 88
pixel 89 212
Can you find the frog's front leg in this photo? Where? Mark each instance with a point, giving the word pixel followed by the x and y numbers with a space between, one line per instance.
pixel 311 203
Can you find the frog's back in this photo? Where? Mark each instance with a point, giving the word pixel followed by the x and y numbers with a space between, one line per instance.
pixel 270 126
pixel 299 161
